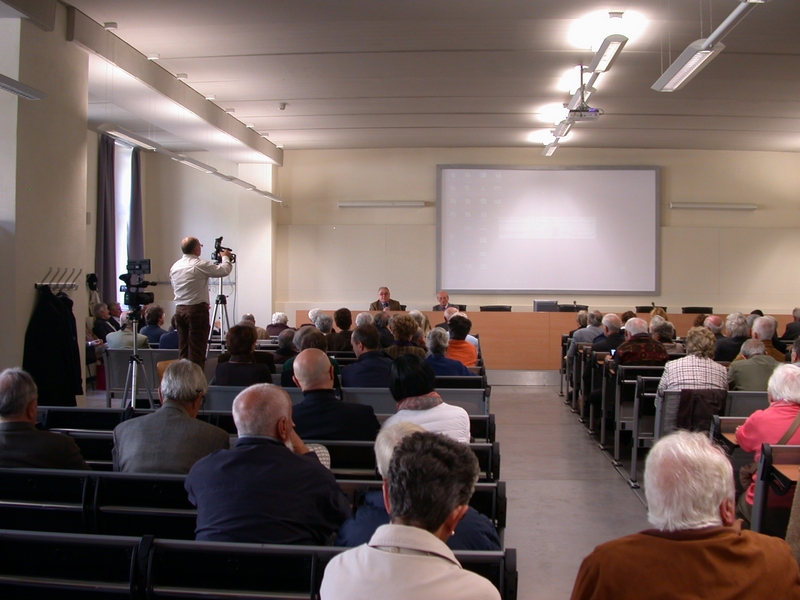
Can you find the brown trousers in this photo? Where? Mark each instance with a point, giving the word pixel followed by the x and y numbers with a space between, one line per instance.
pixel 193 329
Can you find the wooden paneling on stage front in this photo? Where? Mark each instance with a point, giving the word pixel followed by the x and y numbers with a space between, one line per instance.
pixel 529 340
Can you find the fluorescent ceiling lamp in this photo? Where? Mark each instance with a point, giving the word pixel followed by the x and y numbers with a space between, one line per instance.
pixel 711 206
pixel 272 197
pixel 608 53
pixel 242 183
pixel 686 66
pixel 386 204
pixel 550 149
pixel 699 53
pixel 562 129
pixel 20 89
pixel 195 164
pixel 128 137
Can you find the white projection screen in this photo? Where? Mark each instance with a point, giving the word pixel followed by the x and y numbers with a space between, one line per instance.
pixel 551 230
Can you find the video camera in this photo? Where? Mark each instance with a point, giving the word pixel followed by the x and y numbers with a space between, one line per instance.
pixel 135 283
pixel 218 247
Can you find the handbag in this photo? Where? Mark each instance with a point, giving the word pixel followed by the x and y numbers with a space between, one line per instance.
pixel 746 472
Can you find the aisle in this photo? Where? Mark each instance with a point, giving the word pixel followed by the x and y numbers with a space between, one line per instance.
pixel 564 495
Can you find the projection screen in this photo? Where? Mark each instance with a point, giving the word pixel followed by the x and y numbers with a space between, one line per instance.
pixel 548 230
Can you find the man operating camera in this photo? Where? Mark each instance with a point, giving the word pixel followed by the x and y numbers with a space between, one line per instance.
pixel 189 277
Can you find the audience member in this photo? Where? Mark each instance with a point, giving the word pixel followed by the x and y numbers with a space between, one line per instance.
pixel 792 331
pixel 448 314
pixel 306 337
pixel 171 439
pixel 697 549
pixel 459 348
pixel 169 341
pixel 384 301
pixel 115 314
pixel 413 386
pixel 582 319
pixel 658 312
pixel 699 320
pixel 124 337
pixel 268 489
pixel 381 322
pixel 423 322
pixel 364 318
pixel 727 348
pixel 474 532
pixel 279 323
pixel 250 319
pixel 427 490
pixel 753 373
pixel 612 336
pixel 341 339
pixel 372 365
pixel 154 319
pixel 627 316
pixel 664 332
pixel 763 330
pixel 241 367
pixel 697 370
pixel 21 444
pixel 321 415
pixel 795 355
pixel 714 324
pixel 587 334
pixel 286 349
pixel 639 348
pixel 102 321
pixel 443 299
pixel 403 329
pixel 437 341
pixel 769 426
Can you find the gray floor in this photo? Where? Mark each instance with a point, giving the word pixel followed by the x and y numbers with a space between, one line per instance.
pixel 565 497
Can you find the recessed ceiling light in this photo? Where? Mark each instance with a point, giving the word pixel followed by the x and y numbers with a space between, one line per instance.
pixel 211 97
pixel 153 56
pixel 251 125
pixel 110 26
pixel 181 77
pixel 590 31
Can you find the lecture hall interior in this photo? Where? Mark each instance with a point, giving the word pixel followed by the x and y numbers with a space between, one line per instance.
pixel 315 130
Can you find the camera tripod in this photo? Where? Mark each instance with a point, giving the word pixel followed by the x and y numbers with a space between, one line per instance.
pixel 221 309
pixel 134 364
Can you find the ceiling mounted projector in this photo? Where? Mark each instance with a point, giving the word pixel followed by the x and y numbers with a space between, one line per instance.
pixel 585 113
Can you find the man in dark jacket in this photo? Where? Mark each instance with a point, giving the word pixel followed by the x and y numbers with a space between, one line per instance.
pixel 373 366
pixel 321 415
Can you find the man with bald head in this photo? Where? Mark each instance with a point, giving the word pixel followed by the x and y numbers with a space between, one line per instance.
pixel 321 415
pixel 189 277
pixel 269 489
pixel 449 313
pixel 714 324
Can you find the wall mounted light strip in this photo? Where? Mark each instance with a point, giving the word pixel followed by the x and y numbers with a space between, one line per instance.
pixel 711 206
pixel 386 204
pixel 128 137
pixel 20 89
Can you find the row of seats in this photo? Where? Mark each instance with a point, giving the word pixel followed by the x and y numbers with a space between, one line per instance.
pixel 108 503
pixel 66 419
pixel 69 566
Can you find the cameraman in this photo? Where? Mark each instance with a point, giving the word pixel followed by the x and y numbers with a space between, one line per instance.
pixel 189 277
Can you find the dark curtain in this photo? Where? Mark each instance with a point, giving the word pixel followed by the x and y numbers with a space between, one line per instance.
pixel 105 254
pixel 136 226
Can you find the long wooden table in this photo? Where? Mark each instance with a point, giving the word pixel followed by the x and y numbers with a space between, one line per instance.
pixel 527 340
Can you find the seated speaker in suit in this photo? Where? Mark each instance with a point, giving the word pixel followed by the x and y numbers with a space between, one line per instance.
pixel 372 366
pixel 171 439
pixel 384 301
pixel 321 415
pixel 21 444
pixel 443 298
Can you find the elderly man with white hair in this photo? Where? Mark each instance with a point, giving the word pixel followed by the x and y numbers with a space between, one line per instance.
pixel 764 330
pixel 696 549
pixel 280 322
pixel 753 373
pixel 769 426
pixel 727 348
pixel 639 347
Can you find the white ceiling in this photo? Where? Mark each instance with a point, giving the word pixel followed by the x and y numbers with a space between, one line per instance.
pixel 468 73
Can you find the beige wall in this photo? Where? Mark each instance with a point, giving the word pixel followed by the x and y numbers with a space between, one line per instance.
pixel 49 178
pixel 333 257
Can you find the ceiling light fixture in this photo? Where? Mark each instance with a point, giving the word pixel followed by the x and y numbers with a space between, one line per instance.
pixel 711 206
pixel 153 56
pixel 195 164
pixel 607 54
pixel 562 129
pixel 700 52
pixel 210 97
pixel 550 149
pixel 181 77
pixel 109 26
pixel 579 98
pixel 242 183
pixel 20 89
pixel 128 137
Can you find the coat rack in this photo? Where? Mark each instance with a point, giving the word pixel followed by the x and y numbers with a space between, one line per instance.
pixel 65 283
